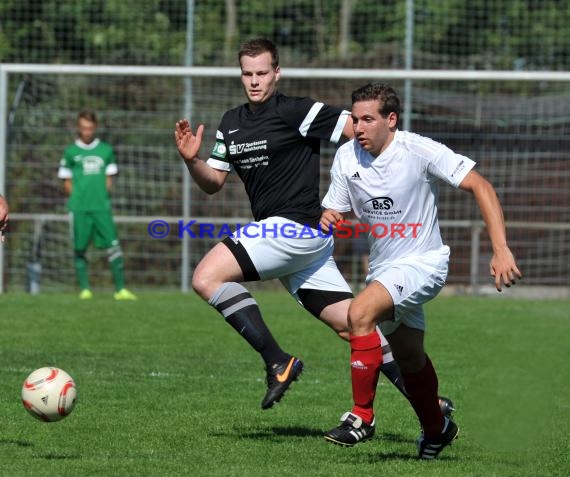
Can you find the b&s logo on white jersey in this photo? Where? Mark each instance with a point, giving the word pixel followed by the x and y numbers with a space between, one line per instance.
pixel 92 165
pixel 380 207
pixel 380 203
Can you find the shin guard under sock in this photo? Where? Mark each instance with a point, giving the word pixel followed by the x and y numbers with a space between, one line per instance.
pixel 241 311
pixel 365 362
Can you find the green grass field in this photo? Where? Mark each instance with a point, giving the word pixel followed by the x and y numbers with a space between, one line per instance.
pixel 166 388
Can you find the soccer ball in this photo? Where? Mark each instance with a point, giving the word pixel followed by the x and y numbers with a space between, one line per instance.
pixel 49 394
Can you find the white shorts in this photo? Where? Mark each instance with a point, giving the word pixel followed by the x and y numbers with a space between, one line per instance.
pixel 296 254
pixel 412 281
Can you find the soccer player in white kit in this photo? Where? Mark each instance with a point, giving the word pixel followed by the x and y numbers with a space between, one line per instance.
pixel 390 179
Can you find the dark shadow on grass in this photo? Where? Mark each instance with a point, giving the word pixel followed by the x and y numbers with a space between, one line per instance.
pixel 275 433
pixel 54 456
pixel 390 436
pixel 47 456
pixel 409 455
pixel 16 442
pixel 296 431
pixel 386 456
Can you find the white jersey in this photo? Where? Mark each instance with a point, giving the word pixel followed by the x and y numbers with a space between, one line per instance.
pixel 396 193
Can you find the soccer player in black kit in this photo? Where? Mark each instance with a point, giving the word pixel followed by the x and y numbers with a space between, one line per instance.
pixel 273 143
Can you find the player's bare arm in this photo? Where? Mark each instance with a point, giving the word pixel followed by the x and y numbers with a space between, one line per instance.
pixel 210 180
pixel 67 185
pixel 503 266
pixel 3 216
pixel 329 219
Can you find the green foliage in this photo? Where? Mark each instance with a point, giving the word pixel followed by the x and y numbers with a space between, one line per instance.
pixel 520 34
pixel 167 388
pixel 86 31
pixel 513 34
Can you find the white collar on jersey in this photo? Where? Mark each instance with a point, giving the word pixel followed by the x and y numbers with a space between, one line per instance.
pixel 92 145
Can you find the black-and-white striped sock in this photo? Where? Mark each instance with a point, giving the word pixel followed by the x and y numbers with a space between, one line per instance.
pixel 241 311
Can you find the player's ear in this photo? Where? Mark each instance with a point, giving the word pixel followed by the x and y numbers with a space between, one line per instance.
pixel 277 73
pixel 392 120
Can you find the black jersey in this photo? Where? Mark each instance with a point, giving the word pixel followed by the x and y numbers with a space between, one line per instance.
pixel 275 151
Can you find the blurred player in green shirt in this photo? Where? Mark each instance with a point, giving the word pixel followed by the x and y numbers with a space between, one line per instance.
pixel 87 169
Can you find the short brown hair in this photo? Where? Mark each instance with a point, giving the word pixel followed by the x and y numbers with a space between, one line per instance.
pixel 382 92
pixel 88 114
pixel 257 46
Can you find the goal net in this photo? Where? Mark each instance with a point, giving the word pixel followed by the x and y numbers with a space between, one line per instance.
pixel 517 131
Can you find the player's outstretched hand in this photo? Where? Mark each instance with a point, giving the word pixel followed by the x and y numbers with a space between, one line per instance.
pixel 187 142
pixel 329 219
pixel 504 268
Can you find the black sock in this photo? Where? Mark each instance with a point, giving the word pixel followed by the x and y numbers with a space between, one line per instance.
pixel 389 367
pixel 241 311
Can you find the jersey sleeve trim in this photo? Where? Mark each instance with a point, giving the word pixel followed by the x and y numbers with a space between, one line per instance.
pixel 451 167
pixel 64 173
pixel 465 165
pixel 337 133
pixel 221 165
pixel 111 170
pixel 328 205
pixel 309 118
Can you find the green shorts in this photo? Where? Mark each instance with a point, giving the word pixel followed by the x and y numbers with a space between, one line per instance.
pixel 98 227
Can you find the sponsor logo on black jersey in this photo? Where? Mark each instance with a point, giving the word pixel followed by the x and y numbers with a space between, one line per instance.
pixel 219 150
pixel 246 147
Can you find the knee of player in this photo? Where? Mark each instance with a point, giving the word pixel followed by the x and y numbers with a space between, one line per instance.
pixel 197 283
pixel 114 253
pixel 360 315
pixel 204 284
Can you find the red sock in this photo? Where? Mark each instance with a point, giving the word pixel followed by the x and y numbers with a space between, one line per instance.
pixel 365 362
pixel 422 391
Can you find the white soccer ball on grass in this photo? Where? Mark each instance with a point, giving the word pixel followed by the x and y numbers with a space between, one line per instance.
pixel 49 394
